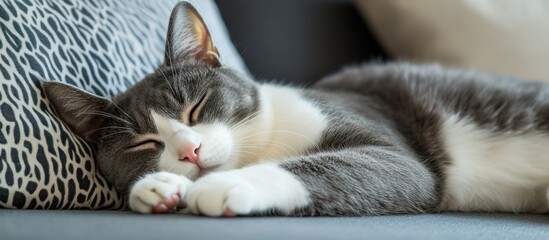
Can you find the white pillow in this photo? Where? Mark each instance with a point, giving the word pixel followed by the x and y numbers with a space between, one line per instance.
pixel 503 36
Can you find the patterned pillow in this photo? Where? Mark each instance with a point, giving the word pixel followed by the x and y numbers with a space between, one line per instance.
pixel 100 46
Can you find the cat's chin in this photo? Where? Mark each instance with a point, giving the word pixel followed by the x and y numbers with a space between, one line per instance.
pixel 204 171
pixel 198 172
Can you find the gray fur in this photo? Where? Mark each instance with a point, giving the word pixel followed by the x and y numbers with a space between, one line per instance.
pixel 180 81
pixel 382 152
pixel 167 92
pixel 385 154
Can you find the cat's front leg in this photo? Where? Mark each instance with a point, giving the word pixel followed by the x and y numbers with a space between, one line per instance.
pixel 249 190
pixel 369 180
pixel 159 192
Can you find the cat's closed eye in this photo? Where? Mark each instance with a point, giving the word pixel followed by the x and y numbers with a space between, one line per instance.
pixel 196 109
pixel 145 143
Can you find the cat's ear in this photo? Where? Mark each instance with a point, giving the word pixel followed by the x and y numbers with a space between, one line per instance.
pixel 83 112
pixel 188 38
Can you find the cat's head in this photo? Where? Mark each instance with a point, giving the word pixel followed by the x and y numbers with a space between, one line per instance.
pixel 189 117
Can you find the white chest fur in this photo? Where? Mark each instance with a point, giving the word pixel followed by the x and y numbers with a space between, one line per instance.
pixel 495 172
pixel 289 124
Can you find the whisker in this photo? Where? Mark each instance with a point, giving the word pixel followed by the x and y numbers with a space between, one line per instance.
pixel 167 80
pixel 105 114
pixel 272 152
pixel 246 120
pixel 110 127
pixel 115 133
pixel 123 111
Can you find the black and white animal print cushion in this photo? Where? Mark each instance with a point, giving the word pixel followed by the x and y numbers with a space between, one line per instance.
pixel 100 46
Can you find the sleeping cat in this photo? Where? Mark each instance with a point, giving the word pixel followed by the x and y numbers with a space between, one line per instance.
pixel 374 139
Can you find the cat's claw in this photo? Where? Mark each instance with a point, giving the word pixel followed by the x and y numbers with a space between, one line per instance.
pixel 160 192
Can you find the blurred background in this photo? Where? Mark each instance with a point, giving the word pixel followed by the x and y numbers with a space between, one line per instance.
pixel 299 41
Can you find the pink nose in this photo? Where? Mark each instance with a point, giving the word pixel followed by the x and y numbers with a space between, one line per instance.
pixel 189 154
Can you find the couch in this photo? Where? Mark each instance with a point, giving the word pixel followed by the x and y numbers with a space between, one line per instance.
pixel 71 224
pixel 294 42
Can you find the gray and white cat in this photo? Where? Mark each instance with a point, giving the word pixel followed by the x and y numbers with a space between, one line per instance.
pixel 375 139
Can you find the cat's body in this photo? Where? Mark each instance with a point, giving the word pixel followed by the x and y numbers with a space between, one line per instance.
pixel 373 139
pixel 483 136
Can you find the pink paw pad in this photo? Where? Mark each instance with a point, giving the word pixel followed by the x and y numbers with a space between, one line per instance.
pixel 228 213
pixel 167 206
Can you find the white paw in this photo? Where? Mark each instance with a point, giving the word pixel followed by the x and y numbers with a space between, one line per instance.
pixel 216 193
pixel 159 192
pixel 244 191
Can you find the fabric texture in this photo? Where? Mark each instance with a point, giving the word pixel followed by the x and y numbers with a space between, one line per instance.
pixel 104 225
pixel 103 47
pixel 502 36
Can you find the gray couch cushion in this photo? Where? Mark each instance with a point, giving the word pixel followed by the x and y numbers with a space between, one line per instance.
pixel 60 225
